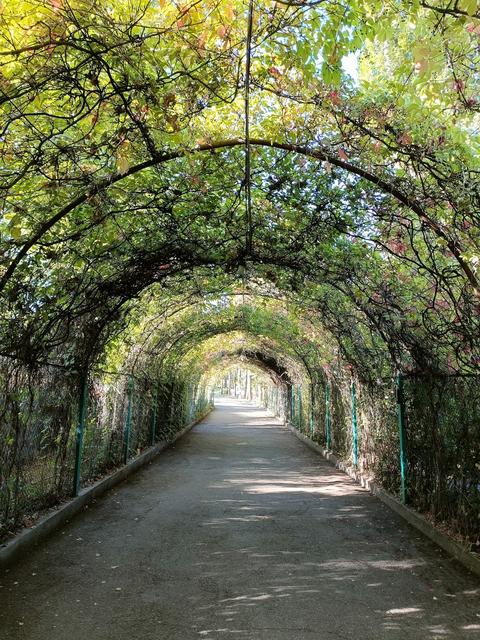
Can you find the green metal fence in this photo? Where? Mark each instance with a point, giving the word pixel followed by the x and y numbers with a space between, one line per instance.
pixel 37 442
pixel 417 436
pixel 442 450
pixel 59 434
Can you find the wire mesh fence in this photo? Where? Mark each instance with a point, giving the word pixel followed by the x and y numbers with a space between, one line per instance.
pixel 36 443
pixel 442 442
pixel 417 436
pixel 377 433
pixel 46 454
pixel 422 444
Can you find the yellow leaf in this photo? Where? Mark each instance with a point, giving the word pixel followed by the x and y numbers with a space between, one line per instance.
pixel 123 164
pixel 229 12
pixel 470 6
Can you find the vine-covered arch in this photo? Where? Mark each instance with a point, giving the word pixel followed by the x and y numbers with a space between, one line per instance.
pixel 401 190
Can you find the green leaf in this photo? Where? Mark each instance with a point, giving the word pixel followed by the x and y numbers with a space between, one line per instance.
pixel 470 6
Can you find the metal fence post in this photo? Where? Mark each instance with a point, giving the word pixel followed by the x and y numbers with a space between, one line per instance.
pixel 401 434
pixel 82 411
pixel 312 408
pixel 128 420
pixel 292 404
pixel 328 417
pixel 154 417
pixel 299 392
pixel 187 403
pixel 190 404
pixel 354 425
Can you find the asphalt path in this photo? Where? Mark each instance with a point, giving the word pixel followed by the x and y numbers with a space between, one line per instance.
pixel 239 531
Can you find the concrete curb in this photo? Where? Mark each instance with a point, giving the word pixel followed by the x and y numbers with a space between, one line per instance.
pixel 13 549
pixel 469 560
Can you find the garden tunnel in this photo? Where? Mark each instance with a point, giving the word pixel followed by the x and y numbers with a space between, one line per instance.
pixel 188 190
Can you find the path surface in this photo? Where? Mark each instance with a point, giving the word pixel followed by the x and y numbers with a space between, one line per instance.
pixel 239 531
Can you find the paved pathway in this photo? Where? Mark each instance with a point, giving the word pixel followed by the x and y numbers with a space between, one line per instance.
pixel 239 531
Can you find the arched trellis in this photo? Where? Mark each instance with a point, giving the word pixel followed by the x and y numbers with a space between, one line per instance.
pixel 187 351
pixel 391 187
pixel 167 339
pixel 106 298
pixel 192 349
